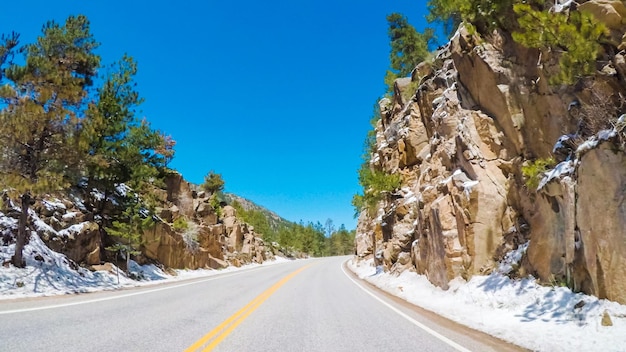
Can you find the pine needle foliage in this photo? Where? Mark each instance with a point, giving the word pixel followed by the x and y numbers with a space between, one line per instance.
pixel 575 35
pixel 484 15
pixel 41 104
pixel 129 228
pixel 213 182
pixel 408 47
pixel 376 186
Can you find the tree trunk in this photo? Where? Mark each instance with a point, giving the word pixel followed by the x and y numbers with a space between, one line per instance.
pixel 101 227
pixel 128 262
pixel 18 260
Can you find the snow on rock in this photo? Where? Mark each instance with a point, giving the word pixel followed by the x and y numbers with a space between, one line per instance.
pixel 70 215
pixel 53 205
pixel 595 140
pixel 47 273
pixel 520 311
pixel 73 230
pixel 97 194
pixel 41 226
pixel 512 259
pixel 562 169
pixel 50 273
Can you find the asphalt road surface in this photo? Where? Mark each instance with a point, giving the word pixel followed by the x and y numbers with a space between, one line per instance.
pixel 305 305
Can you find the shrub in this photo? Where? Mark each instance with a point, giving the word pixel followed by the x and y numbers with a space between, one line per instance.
pixel 180 224
pixel 190 237
pixel 534 171
pixel 215 203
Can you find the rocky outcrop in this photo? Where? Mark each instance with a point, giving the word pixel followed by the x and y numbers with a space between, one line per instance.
pixel 208 240
pixel 202 238
pixel 481 111
pixel 67 229
pixel 580 225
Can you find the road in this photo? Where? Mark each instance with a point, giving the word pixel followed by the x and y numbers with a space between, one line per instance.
pixel 305 305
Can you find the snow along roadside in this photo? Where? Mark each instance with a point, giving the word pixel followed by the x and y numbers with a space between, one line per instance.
pixel 519 311
pixel 48 273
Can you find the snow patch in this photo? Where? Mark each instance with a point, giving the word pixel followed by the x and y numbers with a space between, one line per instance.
pixel 97 194
pixel 53 205
pixel 562 169
pixel 520 311
pixel 512 259
pixel 70 215
pixel 73 230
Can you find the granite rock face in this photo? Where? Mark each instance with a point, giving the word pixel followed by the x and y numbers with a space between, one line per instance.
pixel 72 224
pixel 481 111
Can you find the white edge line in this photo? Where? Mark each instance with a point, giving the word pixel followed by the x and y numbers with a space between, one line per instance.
pixel 123 295
pixel 451 343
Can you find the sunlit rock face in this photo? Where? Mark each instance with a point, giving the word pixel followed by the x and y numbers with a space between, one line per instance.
pixel 71 224
pixel 481 110
pixel 210 241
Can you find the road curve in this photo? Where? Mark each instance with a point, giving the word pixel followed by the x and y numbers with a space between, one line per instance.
pixel 305 305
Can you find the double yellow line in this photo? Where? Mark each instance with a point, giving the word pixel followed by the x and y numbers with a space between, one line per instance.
pixel 228 325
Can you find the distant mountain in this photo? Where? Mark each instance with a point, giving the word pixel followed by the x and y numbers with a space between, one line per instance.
pixel 275 220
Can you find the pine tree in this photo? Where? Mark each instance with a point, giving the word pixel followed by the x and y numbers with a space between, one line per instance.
pixel 575 35
pixel 445 12
pixel 118 147
pixel 107 126
pixel 129 228
pixel 483 15
pixel 408 47
pixel 42 103
pixel 376 186
pixel 213 182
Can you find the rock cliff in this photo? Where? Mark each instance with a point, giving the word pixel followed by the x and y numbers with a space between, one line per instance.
pixel 72 225
pixel 482 110
pixel 210 240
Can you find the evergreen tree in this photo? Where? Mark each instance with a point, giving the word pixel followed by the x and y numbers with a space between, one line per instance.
pixel 576 35
pixel 376 186
pixel 446 13
pixel 129 228
pixel 42 103
pixel 213 182
pixel 408 47
pixel 107 128
pixel 484 15
pixel 118 147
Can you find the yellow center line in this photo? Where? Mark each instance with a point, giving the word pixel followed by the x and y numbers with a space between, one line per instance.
pixel 234 320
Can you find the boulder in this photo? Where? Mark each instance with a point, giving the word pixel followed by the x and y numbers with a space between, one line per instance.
pixel 229 211
pixel 609 12
pixel 601 219
pixel 108 267
pixel 80 242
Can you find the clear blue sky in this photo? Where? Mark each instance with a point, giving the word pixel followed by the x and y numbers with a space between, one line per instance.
pixel 276 96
